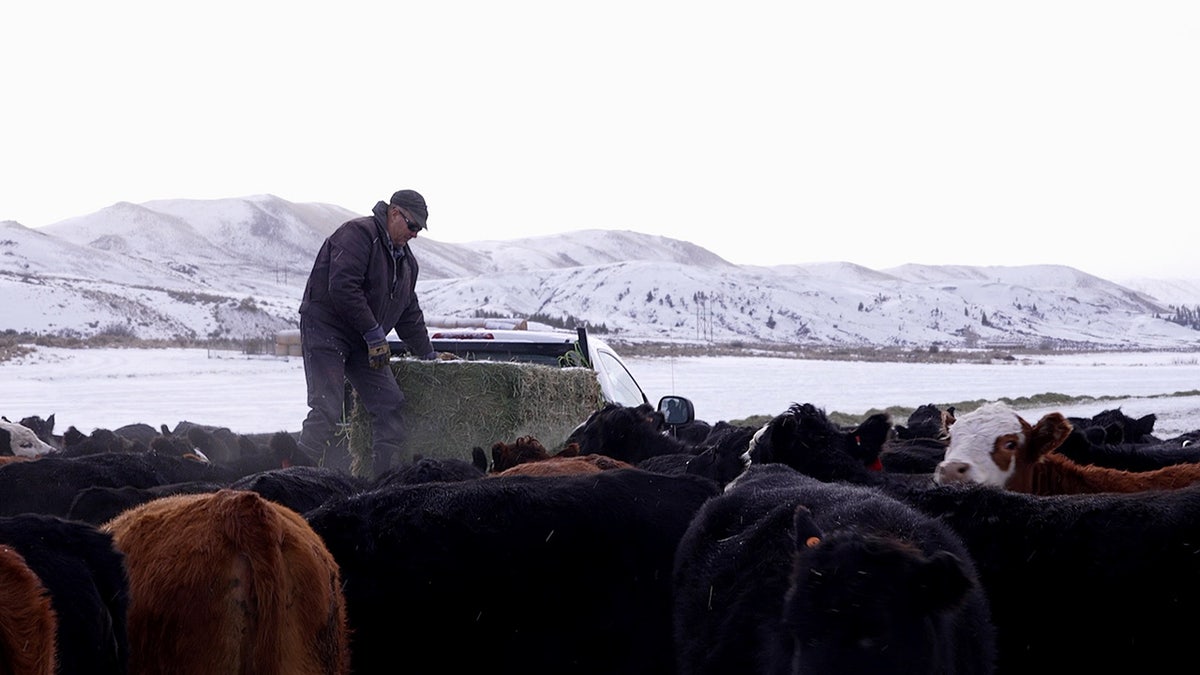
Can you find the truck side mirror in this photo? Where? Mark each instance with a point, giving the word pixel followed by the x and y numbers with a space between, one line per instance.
pixel 676 410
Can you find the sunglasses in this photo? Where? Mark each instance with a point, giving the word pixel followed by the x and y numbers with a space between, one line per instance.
pixel 412 227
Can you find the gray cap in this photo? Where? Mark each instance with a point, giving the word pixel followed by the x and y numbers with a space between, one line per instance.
pixel 414 203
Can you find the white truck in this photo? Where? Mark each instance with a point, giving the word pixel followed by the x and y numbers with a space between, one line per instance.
pixel 513 340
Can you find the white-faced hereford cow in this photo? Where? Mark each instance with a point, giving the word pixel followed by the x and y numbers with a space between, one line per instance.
pixel 20 441
pixel 229 582
pixel 784 574
pixel 994 445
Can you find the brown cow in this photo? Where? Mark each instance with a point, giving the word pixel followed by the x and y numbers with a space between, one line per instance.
pixel 28 624
pixel 994 445
pixel 11 459
pixel 229 582
pixel 565 466
pixel 525 449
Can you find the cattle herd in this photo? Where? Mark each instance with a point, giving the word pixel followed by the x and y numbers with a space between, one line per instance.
pixel 955 542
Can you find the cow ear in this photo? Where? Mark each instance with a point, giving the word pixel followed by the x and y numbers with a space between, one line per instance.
pixel 479 458
pixel 874 431
pixel 807 534
pixel 1114 433
pixel 940 582
pixel 1048 433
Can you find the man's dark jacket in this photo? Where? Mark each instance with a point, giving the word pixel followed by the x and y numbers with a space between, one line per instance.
pixel 357 283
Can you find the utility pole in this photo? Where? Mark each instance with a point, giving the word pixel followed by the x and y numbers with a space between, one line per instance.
pixel 703 317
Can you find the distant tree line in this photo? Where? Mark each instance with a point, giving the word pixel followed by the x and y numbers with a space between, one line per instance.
pixel 1186 316
pixel 566 321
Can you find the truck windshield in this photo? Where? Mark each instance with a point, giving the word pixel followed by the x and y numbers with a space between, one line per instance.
pixel 621 385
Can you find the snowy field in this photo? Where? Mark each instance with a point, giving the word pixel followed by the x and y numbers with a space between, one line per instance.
pixel 735 387
pixel 93 388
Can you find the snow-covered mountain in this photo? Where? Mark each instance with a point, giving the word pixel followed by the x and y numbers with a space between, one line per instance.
pixel 236 268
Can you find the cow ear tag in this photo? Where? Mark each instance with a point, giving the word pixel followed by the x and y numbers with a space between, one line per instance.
pixel 812 542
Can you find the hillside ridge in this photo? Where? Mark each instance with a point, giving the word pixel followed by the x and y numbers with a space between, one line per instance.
pixel 235 268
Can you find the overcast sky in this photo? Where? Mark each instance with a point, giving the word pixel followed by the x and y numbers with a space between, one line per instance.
pixel 875 132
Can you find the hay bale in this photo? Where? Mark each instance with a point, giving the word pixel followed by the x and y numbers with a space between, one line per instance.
pixel 288 336
pixel 454 406
pixel 287 342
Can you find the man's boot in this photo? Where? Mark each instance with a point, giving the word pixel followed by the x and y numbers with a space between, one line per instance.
pixel 383 454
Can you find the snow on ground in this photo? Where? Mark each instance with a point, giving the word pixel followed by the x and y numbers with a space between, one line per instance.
pixel 738 387
pixel 111 387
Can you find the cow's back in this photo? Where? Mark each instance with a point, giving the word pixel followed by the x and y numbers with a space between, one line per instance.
pixel 228 582
pixel 528 574
pixel 85 577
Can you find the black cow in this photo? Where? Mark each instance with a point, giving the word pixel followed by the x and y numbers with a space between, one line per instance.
pixel 429 469
pixel 43 428
pixel 99 504
pixel 918 446
pixel 805 439
pixel 535 575
pixel 84 574
pixel 785 574
pixel 139 432
pixel 717 456
pixel 281 451
pixel 49 485
pixel 1098 583
pixel 1080 446
pixel 301 488
pixel 676 462
pixel 219 444
pixel 100 441
pixel 721 456
pixel 628 433
pixel 913 455
pixel 1114 426
pixel 927 421
pixel 692 433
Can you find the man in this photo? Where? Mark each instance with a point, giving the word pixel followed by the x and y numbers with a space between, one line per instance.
pixel 362 285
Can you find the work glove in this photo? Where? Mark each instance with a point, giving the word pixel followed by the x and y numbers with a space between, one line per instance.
pixel 439 356
pixel 378 350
